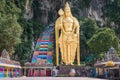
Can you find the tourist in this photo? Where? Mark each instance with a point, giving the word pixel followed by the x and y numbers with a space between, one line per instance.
pixel 54 72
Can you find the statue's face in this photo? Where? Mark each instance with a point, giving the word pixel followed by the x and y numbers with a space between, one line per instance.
pixel 67 13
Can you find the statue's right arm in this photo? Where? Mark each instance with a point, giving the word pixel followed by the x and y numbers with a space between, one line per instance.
pixel 57 28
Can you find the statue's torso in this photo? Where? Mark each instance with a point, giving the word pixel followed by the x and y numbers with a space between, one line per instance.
pixel 68 28
pixel 68 24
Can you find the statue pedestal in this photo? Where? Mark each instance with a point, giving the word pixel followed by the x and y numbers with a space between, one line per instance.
pixel 81 71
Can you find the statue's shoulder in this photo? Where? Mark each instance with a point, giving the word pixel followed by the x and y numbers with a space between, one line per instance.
pixel 76 22
pixel 59 19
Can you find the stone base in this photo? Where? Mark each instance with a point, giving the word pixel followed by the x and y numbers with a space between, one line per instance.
pixel 81 71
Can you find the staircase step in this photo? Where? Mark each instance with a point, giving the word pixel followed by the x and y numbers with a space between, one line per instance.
pixel 44 47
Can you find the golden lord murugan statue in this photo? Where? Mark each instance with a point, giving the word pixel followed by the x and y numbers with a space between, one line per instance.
pixel 67 37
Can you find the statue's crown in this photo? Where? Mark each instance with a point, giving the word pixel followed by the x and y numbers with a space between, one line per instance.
pixel 67 7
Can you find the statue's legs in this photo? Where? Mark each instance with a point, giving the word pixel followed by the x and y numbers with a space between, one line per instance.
pixel 63 49
pixel 69 53
pixel 73 52
pixel 65 54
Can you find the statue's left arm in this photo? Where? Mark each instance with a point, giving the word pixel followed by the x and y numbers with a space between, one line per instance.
pixel 77 28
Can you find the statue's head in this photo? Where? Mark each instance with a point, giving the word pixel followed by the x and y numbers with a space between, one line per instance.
pixel 67 10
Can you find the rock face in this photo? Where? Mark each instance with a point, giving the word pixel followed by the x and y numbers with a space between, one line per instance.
pixel 28 10
pixel 45 11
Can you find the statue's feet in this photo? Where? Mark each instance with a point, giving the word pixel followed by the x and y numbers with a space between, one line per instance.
pixel 66 63
pixel 57 64
pixel 71 64
pixel 78 64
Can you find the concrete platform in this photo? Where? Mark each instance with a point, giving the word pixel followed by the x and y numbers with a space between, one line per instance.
pixel 51 78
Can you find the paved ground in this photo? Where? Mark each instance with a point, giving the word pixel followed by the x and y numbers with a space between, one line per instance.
pixel 51 78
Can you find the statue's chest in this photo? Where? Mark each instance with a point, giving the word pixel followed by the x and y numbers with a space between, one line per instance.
pixel 68 23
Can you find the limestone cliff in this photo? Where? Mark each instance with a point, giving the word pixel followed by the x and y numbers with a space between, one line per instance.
pixel 45 11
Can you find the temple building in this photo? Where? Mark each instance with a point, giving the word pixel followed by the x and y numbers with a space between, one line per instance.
pixel 8 67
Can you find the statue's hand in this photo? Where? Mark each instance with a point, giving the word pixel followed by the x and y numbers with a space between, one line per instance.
pixel 59 41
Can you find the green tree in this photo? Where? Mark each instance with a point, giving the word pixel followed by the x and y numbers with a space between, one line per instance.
pixel 102 40
pixel 88 27
pixel 24 49
pixel 31 31
pixel 10 29
pixel 10 32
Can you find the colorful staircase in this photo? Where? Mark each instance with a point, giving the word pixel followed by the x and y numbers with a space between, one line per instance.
pixel 44 47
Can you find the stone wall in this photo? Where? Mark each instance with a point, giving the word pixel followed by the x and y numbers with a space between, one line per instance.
pixel 81 71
